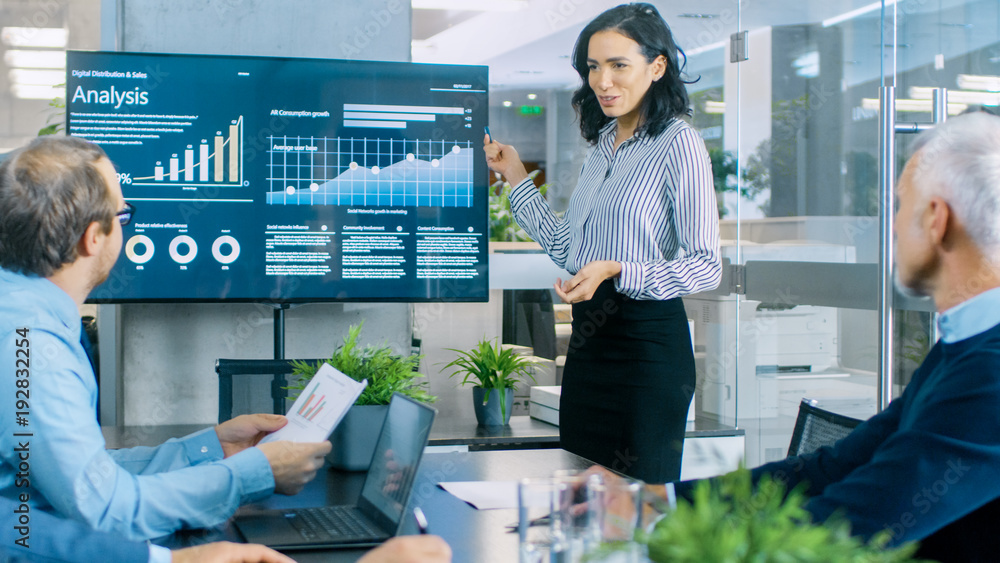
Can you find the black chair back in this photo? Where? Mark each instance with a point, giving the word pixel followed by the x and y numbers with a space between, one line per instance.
pixel 227 369
pixel 815 428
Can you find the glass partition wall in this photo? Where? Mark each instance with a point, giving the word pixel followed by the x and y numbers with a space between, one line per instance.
pixel 796 316
pixel 806 170
pixel 947 55
pixel 805 229
pixel 805 156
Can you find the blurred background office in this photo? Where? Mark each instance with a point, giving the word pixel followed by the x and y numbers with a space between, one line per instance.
pixel 787 98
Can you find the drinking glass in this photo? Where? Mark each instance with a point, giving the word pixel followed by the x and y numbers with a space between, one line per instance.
pixel 582 512
pixel 540 521
pixel 619 519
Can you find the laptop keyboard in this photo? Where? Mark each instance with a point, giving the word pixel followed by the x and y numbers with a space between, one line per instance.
pixel 333 522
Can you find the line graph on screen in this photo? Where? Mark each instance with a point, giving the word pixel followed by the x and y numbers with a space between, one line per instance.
pixel 370 172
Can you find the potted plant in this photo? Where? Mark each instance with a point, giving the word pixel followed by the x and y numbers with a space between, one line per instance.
pixel 491 367
pixel 387 373
pixel 731 520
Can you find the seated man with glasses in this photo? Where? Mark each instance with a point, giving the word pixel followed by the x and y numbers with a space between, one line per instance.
pixel 61 213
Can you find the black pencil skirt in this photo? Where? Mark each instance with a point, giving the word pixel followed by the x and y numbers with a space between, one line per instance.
pixel 627 384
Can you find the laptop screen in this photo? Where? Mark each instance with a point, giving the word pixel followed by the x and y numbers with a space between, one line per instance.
pixel 394 465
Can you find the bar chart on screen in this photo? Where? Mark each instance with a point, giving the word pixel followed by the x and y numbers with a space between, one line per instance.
pixel 182 149
pixel 216 162
pixel 374 172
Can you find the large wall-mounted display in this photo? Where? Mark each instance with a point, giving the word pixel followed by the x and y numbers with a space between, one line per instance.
pixel 290 179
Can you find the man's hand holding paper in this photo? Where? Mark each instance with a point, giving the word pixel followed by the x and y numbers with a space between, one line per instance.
pixel 320 407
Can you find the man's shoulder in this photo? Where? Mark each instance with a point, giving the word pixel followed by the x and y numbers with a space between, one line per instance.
pixel 34 303
pixel 22 287
pixel 986 343
pixel 975 357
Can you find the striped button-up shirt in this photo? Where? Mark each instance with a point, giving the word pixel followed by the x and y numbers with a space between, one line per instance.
pixel 649 205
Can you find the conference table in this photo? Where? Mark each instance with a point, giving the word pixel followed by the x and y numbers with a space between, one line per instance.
pixel 524 448
pixel 475 536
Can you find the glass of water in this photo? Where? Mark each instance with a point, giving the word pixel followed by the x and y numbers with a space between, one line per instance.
pixel 541 525
pixel 619 517
pixel 582 512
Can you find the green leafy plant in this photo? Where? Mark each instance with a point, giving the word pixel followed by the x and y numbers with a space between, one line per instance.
pixel 491 366
pixel 723 175
pixel 54 122
pixel 755 175
pixel 913 328
pixel 503 227
pixel 387 373
pixel 732 521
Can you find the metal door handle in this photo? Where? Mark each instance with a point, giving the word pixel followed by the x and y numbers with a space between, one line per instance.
pixel 939 113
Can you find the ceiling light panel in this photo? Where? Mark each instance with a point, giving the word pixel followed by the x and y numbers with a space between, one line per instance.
pixel 470 5
pixel 904 105
pixel 979 82
pixel 37 77
pixel 715 107
pixel 50 37
pixel 26 58
pixel 958 96
pixel 847 16
pixel 36 92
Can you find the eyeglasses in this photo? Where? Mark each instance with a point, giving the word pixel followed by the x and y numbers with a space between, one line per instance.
pixel 125 215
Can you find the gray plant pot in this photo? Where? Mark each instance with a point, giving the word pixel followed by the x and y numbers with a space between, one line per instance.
pixel 489 414
pixel 354 438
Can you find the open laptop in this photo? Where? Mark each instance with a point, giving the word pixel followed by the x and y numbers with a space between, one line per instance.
pixel 379 512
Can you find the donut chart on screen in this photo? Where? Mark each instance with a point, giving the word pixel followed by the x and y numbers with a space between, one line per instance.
pixel 220 253
pixel 183 249
pixel 147 249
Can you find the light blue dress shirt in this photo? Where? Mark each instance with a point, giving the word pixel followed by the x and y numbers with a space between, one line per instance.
pixel 140 492
pixel 53 539
pixel 970 317
pixel 159 554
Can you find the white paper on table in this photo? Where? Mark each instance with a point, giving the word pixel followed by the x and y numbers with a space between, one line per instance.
pixel 320 407
pixel 484 495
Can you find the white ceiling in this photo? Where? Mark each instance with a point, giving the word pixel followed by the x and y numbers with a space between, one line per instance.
pixel 530 48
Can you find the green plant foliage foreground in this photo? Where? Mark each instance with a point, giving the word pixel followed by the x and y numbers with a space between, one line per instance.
pixel 387 373
pixel 732 522
pixel 491 366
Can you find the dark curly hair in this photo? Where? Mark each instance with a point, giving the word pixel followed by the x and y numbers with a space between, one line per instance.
pixel 666 98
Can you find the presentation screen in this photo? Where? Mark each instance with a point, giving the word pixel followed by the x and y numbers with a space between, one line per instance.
pixel 279 179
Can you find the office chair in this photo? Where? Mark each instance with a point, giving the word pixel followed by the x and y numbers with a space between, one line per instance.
pixel 815 428
pixel 276 368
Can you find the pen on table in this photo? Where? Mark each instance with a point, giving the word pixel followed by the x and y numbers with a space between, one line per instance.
pixel 418 515
pixel 540 521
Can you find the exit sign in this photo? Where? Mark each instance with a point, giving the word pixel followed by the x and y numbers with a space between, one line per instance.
pixel 530 110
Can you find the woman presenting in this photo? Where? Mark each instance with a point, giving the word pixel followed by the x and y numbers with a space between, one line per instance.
pixel 641 230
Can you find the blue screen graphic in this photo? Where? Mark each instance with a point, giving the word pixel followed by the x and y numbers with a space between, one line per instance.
pixel 283 179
